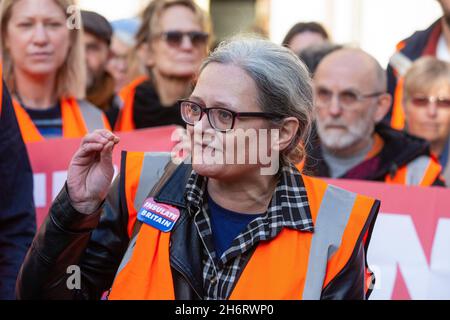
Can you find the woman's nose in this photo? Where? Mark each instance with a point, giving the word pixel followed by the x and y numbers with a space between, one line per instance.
pixel 432 109
pixel 186 43
pixel 40 36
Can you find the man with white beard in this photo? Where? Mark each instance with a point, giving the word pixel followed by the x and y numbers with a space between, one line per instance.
pixel 350 102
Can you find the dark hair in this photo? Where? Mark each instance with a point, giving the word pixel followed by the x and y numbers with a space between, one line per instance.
pixel 312 55
pixel 304 27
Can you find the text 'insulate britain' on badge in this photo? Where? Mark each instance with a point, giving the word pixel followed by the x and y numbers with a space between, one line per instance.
pixel 158 215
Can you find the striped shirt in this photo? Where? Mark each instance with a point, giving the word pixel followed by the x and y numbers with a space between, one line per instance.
pixel 48 122
pixel 289 208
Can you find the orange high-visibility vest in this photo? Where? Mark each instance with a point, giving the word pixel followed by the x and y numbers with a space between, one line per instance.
pixel 398 113
pixel 78 118
pixel 294 265
pixel 413 174
pixel 423 171
pixel 125 120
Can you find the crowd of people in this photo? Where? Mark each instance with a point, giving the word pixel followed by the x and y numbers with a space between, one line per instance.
pixel 338 112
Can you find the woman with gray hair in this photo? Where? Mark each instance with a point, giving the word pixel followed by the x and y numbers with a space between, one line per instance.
pixel 224 224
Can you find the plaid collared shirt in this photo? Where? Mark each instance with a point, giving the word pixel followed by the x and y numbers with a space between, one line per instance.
pixel 289 208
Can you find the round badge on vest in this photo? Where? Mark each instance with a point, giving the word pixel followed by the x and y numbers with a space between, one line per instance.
pixel 158 215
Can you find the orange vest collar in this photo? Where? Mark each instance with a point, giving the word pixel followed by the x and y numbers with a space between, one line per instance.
pixel 72 119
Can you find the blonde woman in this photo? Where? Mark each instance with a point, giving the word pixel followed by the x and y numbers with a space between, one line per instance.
pixel 427 106
pixel 173 41
pixel 43 62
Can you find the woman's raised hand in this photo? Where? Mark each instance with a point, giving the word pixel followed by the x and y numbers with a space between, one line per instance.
pixel 91 171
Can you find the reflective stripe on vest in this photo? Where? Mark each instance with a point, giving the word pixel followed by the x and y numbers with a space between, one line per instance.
pixel 141 172
pixel 422 171
pixel 398 113
pixel 78 118
pixel 296 264
pixel 93 117
pixel 125 120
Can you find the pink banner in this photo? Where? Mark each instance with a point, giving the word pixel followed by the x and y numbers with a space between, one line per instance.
pixel 410 247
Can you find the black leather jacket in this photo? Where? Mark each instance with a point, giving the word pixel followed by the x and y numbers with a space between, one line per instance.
pixel 96 243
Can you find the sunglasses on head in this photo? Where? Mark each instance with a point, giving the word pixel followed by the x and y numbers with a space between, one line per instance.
pixel 175 38
pixel 424 101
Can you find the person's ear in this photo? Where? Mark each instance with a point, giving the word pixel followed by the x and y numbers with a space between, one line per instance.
pixel 288 131
pixel 383 106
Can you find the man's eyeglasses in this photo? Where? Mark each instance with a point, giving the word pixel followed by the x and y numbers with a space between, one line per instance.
pixel 175 38
pixel 220 119
pixel 424 101
pixel 347 98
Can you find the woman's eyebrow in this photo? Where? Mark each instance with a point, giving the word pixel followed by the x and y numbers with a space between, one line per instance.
pixel 196 99
pixel 215 104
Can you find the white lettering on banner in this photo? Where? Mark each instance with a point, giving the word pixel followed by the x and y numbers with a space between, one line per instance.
pixel 39 192
pixel 440 262
pixel 58 180
pixel 395 242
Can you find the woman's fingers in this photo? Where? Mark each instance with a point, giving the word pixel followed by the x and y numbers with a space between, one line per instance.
pixel 96 142
pixel 95 137
pixel 108 135
pixel 106 153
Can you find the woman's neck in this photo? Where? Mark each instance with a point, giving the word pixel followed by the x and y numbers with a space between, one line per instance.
pixel 171 89
pixel 250 194
pixel 438 146
pixel 35 92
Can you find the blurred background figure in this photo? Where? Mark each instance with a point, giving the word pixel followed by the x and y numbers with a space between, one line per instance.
pixel 312 55
pixel 434 41
pixel 100 85
pixel 44 69
pixel 173 40
pixel 427 106
pixel 127 62
pixel 350 100
pixel 17 215
pixel 122 46
pixel 305 34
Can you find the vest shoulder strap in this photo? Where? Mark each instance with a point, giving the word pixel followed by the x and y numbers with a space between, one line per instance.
pixel 92 116
pixel 400 62
pixel 143 175
pixel 155 169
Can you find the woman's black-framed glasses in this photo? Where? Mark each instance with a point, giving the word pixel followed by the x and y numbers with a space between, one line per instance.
pixel 220 119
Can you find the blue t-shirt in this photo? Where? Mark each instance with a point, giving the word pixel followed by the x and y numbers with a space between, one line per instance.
pixel 226 225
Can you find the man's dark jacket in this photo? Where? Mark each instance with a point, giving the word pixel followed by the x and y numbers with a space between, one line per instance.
pixel 421 43
pixel 17 215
